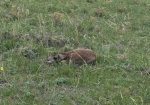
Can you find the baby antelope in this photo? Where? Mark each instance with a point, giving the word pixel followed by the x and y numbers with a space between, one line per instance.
pixel 77 56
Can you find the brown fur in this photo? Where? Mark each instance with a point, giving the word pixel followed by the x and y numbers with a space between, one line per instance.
pixel 78 56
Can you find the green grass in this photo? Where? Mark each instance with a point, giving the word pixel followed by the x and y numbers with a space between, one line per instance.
pixel 117 30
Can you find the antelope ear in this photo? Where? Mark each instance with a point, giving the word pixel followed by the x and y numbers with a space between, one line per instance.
pixel 62 57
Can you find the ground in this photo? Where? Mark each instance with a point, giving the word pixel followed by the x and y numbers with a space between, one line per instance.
pixel 117 30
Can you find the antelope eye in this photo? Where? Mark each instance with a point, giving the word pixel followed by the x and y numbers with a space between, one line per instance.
pixel 55 57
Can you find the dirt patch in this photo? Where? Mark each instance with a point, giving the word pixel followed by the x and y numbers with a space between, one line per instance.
pixel 122 9
pixel 91 1
pixel 99 12
pixel 2 81
pixel 30 53
pixel 58 17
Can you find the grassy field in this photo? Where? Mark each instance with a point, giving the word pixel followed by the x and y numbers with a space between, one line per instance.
pixel 117 30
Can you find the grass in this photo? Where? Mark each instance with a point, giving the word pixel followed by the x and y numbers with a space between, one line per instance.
pixel 117 30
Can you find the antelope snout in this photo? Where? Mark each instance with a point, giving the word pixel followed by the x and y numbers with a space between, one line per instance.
pixel 47 61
